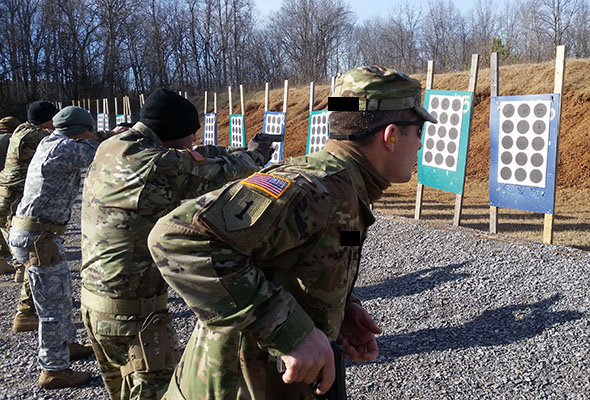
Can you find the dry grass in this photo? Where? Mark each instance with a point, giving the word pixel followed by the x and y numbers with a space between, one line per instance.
pixel 571 225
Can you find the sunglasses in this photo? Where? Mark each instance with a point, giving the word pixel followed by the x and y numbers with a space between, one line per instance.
pixel 420 124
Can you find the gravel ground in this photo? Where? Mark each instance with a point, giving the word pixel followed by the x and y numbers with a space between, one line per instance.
pixel 464 315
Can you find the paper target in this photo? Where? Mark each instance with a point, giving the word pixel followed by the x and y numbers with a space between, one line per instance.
pixel 523 151
pixel 443 156
pixel 210 129
pixel 102 122
pixel 318 131
pixel 237 130
pixel 123 118
pixel 274 124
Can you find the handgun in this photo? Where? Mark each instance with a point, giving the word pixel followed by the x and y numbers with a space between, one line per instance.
pixel 338 389
pixel 261 137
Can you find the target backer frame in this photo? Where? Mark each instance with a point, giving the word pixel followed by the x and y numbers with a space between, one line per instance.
pixel 555 124
pixel 278 146
pixel 311 127
pixel 458 193
pixel 233 118
pixel 516 196
pixel 210 122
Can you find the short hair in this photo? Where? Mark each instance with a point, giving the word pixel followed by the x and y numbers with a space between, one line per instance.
pixel 367 121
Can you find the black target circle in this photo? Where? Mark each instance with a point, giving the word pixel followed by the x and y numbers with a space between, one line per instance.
pixel 456 105
pixel 539 127
pixel 445 103
pixel 508 110
pixel 442 131
pixel 451 147
pixel 520 174
pixel 431 129
pixel 428 156
pixel 507 126
pixel 450 161
pixel 434 102
pixel 540 110
pixel 443 118
pixel 537 160
pixel 521 159
pixel 438 159
pixel 524 110
pixel 522 127
pixel 506 157
pixel 507 142
pixel 506 173
pixel 522 143
pixel 536 176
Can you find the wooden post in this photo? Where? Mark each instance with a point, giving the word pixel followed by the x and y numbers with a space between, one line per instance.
pixel 229 100
pixel 242 98
pixel 494 91
pixel 215 102
pixel 472 88
pixel 286 99
pixel 205 106
pixel 116 108
pixel 141 100
pixel 420 187
pixel 186 94
pixel 97 108
pixel 558 89
pixel 266 96
pixel 311 95
pixel 332 85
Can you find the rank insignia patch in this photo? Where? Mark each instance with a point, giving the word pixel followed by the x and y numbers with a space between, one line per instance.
pixel 270 184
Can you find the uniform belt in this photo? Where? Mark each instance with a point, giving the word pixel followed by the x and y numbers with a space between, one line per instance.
pixel 32 225
pixel 141 307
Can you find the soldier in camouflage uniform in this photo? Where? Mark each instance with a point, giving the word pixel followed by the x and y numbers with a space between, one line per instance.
pixel 137 177
pixel 22 146
pixel 52 184
pixel 7 126
pixel 268 263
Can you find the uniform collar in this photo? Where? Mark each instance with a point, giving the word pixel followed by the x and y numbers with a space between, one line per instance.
pixel 146 131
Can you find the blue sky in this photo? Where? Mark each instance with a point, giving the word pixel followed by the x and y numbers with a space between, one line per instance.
pixel 365 9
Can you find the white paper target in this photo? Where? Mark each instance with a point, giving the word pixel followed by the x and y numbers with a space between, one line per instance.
pixel 319 131
pixel 209 129
pixel 523 142
pixel 274 124
pixel 237 131
pixel 441 142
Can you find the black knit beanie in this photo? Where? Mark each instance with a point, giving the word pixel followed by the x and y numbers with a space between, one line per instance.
pixel 40 112
pixel 169 115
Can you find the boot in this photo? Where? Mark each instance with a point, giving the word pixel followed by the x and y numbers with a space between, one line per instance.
pixel 5 268
pixel 79 351
pixel 63 378
pixel 19 274
pixel 24 322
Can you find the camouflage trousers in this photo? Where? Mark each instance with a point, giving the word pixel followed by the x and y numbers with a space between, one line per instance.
pixel 51 290
pixel 110 336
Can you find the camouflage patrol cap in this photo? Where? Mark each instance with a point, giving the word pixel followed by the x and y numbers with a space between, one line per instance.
pixel 382 89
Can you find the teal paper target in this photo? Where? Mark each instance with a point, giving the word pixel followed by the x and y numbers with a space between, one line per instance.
pixel 274 124
pixel 237 130
pixel 120 118
pixel 443 156
pixel 210 129
pixel 318 131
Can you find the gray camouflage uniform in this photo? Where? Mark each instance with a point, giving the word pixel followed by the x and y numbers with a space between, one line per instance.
pixel 52 183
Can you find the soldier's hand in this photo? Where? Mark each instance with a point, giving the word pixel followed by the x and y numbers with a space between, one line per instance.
pixel 357 334
pixel 264 146
pixel 313 358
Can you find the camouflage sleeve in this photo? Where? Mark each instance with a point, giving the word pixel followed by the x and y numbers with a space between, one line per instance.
pixel 79 153
pixel 220 151
pixel 224 283
pixel 209 173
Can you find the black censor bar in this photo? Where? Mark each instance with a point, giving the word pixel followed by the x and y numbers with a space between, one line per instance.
pixel 343 103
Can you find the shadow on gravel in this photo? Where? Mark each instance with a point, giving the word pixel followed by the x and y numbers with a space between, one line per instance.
pixel 504 325
pixel 413 283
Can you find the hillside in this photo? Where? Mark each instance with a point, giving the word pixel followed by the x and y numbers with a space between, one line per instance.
pixel 574 145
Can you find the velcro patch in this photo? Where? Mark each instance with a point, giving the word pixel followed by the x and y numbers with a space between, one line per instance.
pixel 270 184
pixel 196 155
pixel 244 209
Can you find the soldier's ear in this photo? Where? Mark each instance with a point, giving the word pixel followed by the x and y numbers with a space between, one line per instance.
pixel 390 136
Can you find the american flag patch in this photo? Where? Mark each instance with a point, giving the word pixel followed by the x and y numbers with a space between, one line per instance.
pixel 270 184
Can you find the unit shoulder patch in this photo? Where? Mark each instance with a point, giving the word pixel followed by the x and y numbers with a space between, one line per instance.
pixel 244 208
pixel 271 184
